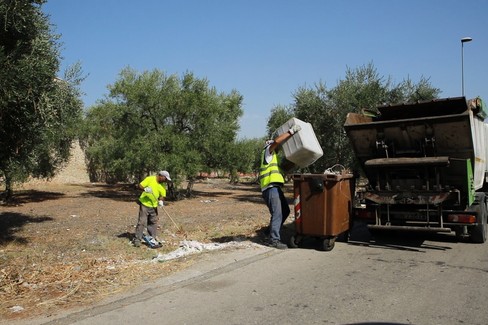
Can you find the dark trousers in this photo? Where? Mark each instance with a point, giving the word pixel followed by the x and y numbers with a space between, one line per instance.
pixel 148 218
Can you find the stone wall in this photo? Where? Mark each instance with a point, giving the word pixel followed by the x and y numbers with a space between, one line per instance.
pixel 75 171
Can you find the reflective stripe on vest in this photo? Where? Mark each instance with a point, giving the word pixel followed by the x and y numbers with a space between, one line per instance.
pixel 270 173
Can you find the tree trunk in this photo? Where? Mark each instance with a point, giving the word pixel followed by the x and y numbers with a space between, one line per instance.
pixel 189 187
pixel 8 189
pixel 234 177
pixel 173 192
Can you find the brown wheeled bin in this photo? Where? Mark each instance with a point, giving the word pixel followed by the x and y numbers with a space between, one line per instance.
pixel 323 204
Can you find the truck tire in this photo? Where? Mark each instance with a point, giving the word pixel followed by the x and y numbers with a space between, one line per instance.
pixel 479 232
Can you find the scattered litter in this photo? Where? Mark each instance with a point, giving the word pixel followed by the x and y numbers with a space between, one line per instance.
pixel 16 309
pixel 208 201
pixel 188 247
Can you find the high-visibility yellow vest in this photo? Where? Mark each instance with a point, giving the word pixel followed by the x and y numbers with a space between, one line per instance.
pixel 158 190
pixel 270 173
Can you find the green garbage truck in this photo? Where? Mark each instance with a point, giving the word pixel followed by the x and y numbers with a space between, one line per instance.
pixel 425 165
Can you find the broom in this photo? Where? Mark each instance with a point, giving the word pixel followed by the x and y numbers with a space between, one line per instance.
pixel 174 223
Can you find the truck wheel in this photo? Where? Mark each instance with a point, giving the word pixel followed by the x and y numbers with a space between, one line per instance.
pixel 479 232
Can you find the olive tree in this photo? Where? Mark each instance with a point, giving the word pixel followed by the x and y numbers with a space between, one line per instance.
pixel 326 109
pixel 38 110
pixel 151 121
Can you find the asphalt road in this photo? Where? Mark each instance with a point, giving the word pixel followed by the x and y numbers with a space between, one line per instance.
pixel 432 279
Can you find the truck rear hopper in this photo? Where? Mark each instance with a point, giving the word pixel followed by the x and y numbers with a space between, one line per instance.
pixel 426 165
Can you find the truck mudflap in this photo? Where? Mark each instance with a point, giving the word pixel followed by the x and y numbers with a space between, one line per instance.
pixel 410 228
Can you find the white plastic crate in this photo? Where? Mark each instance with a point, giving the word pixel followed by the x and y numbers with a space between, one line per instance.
pixel 303 148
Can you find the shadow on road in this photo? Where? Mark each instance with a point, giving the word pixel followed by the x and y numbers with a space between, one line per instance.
pixel 410 241
pixel 359 235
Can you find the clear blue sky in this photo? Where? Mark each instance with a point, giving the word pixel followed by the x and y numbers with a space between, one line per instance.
pixel 267 49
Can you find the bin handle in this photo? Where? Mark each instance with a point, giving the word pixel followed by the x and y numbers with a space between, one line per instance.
pixel 331 171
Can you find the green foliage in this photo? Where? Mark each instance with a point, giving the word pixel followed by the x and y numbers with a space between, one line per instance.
pixel 362 88
pixel 153 121
pixel 243 156
pixel 311 105
pixel 38 112
pixel 279 115
pixel 408 91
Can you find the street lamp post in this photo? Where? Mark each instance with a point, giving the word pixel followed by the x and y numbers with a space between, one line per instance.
pixel 463 40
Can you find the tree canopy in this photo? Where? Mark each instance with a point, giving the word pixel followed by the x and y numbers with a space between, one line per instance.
pixel 151 121
pixel 326 109
pixel 38 110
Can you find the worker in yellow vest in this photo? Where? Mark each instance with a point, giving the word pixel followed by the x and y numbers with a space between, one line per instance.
pixel 271 181
pixel 153 195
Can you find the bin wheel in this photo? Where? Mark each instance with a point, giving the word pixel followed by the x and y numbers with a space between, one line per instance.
pixel 294 242
pixel 328 244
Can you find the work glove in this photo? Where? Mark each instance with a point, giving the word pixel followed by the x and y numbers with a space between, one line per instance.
pixel 148 190
pixel 294 129
pixel 161 203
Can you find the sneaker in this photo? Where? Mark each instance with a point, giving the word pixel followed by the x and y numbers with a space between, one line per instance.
pixel 276 244
pixel 136 242
pixel 151 242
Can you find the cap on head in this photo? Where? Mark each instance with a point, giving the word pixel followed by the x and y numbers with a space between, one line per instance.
pixel 165 174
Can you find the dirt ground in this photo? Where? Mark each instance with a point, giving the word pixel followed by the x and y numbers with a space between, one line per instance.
pixel 67 245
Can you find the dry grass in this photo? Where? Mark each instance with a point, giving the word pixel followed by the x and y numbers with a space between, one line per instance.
pixel 63 246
